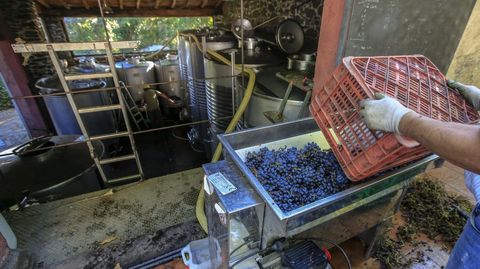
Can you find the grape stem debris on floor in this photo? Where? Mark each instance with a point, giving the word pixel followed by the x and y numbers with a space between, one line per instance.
pixel 428 210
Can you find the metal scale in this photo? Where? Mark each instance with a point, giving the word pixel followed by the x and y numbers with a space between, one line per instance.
pixel 248 230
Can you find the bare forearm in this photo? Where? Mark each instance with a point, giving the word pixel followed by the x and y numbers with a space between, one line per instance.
pixel 457 143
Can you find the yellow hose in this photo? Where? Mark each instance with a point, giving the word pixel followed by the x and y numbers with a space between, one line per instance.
pixel 200 210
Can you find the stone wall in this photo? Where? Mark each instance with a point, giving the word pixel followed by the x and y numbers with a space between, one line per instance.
pixel 56 29
pixel 24 23
pixel 257 11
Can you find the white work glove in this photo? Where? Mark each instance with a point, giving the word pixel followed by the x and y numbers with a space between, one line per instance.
pixel 383 113
pixel 469 92
pixel 472 181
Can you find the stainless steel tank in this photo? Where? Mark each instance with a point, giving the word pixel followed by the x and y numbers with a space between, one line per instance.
pixel 135 73
pixel 193 71
pixel 219 87
pixel 192 58
pixel 47 174
pixel 168 71
pixel 62 114
pixel 268 94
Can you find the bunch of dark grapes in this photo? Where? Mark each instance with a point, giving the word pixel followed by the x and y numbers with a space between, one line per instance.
pixel 296 177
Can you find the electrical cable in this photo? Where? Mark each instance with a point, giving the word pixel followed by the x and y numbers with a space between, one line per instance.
pixel 330 242
pixel 178 137
pixel 196 150
pixel 237 262
pixel 237 248
pixel 134 133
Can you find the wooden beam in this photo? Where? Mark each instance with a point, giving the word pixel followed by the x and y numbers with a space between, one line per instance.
pixel 65 4
pixel 174 2
pixel 157 4
pixel 85 4
pixel 130 12
pixel 138 4
pixel 43 3
pixel 121 4
pixel 204 3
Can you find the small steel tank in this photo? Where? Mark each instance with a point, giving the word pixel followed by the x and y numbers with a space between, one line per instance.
pixel 135 73
pixel 62 114
pixel 168 70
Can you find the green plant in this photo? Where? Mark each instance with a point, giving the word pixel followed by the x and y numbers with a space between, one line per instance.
pixel 149 31
pixel 5 102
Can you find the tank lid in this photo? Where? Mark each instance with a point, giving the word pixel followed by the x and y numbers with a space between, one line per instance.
pixel 51 84
pixel 44 168
pixel 133 62
pixel 89 65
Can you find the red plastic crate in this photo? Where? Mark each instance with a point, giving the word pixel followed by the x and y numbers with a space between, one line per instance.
pixel 413 80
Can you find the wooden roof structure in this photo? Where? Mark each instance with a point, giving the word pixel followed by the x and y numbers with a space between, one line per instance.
pixel 129 8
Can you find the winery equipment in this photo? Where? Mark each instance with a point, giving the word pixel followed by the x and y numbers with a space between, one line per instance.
pixel 268 95
pixel 303 62
pixel 247 229
pixel 222 95
pixel 168 75
pixel 193 71
pixel 135 73
pixel 288 35
pixel 36 172
pixel 62 114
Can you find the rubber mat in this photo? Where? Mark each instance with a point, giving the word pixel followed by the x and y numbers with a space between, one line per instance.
pixel 55 231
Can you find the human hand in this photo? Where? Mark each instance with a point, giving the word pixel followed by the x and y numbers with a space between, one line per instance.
pixel 383 113
pixel 469 92
pixel 472 181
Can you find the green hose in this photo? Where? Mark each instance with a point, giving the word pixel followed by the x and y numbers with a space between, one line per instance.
pixel 200 210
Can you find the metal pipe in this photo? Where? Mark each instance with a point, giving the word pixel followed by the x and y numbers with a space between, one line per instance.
pixel 232 60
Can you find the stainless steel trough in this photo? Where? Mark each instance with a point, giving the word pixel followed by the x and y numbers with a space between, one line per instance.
pixel 357 211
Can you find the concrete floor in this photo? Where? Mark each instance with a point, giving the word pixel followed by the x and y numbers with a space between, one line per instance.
pixel 56 233
pixel 125 225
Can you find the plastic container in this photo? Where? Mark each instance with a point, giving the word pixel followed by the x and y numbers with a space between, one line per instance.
pixel 196 255
pixel 413 80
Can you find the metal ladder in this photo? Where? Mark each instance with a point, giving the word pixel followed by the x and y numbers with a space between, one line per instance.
pixel 132 107
pixel 52 49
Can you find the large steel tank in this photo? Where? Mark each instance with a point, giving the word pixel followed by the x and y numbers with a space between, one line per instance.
pixel 220 99
pixel 168 72
pixel 62 114
pixel 192 58
pixel 136 72
pixel 47 174
pixel 193 71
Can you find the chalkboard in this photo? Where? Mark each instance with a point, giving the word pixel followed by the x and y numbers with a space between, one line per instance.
pixel 397 27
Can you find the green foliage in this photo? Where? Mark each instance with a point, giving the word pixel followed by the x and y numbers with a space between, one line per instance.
pixel 149 31
pixel 5 102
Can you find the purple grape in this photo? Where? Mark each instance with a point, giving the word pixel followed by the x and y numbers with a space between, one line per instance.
pixel 296 177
